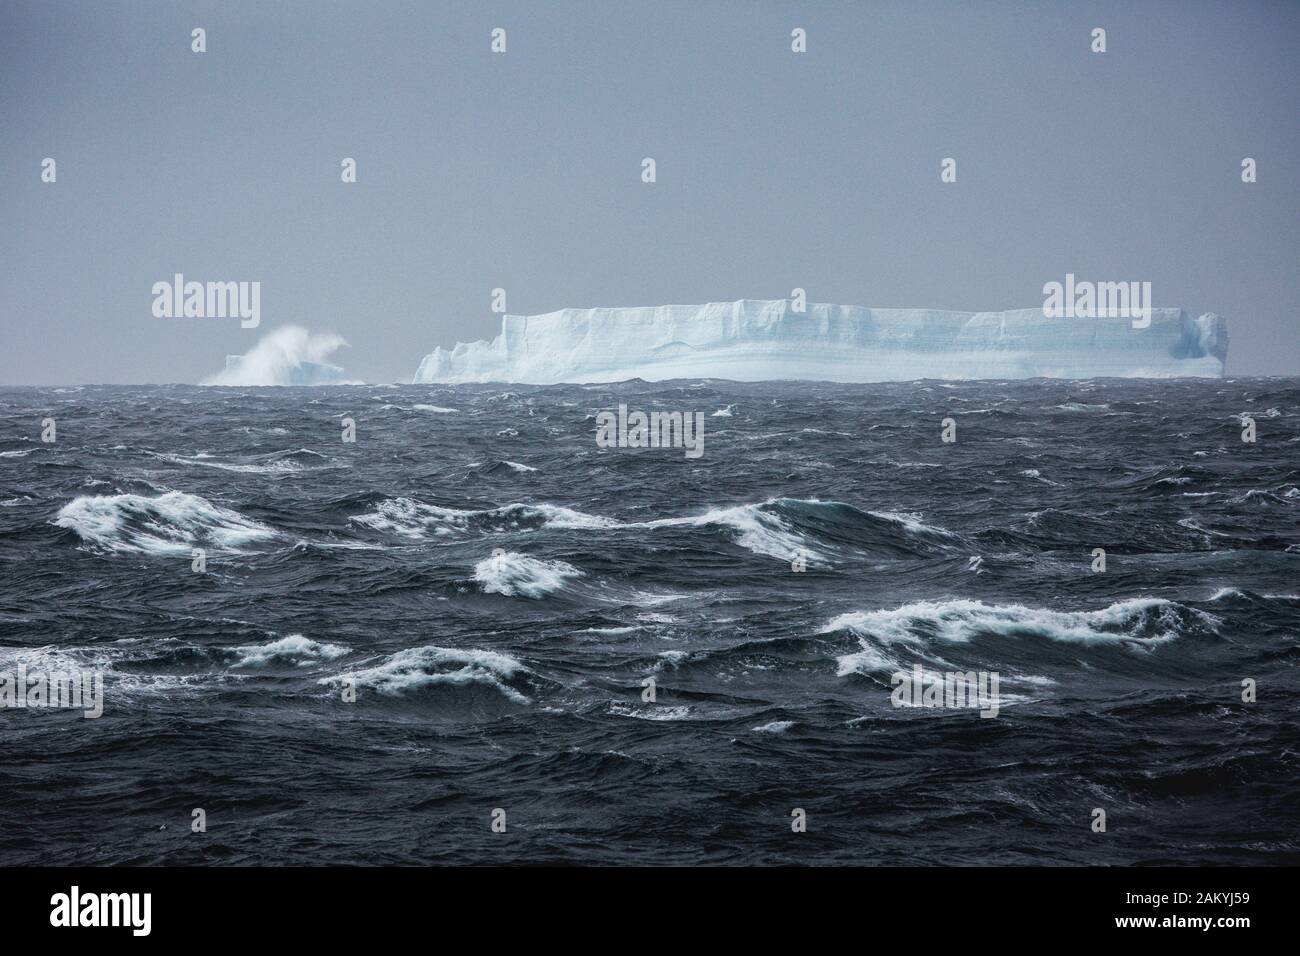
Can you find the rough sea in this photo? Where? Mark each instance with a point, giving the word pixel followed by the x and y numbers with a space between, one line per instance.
pixel 497 591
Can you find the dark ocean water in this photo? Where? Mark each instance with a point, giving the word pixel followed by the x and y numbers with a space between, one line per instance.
pixel 514 679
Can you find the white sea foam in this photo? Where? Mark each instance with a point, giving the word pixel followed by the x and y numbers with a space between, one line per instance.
pixel 278 463
pixel 411 518
pixel 1037 475
pixel 775 727
pixel 415 519
pixel 517 575
pixel 103 657
pixel 758 530
pixel 671 658
pixel 171 523
pixel 294 649
pixel 654 617
pixel 757 527
pixel 911 520
pixel 1136 622
pixel 430 666
pixel 658 712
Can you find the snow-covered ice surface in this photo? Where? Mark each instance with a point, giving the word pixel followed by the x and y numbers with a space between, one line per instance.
pixel 766 340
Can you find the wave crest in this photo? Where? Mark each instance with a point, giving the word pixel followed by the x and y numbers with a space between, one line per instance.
pixel 294 649
pixel 514 574
pixel 779 528
pixel 420 667
pixel 1136 622
pixel 172 523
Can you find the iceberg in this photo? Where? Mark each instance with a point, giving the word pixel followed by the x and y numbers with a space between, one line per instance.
pixel 764 340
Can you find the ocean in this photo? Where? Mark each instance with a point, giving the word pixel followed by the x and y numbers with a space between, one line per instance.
pixel 474 635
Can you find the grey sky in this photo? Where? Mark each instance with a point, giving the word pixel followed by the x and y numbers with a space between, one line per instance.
pixel 775 170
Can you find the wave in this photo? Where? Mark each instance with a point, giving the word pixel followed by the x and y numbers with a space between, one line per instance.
pixel 1037 475
pixel 430 666
pixel 656 712
pixel 1081 407
pixel 1139 622
pixel 294 649
pixel 500 466
pixel 415 519
pixel 758 528
pixel 289 355
pixel 780 528
pixel 1261 496
pixel 172 523
pixel 274 463
pixel 514 574
pixel 124 671
pixel 783 528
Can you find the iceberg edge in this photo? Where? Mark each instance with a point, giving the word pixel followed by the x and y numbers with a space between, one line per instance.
pixel 767 340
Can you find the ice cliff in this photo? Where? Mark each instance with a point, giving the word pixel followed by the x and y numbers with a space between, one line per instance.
pixel 753 340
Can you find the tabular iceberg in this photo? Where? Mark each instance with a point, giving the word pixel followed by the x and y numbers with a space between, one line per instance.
pixel 763 340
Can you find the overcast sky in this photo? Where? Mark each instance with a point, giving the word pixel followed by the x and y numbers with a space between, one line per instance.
pixel 523 170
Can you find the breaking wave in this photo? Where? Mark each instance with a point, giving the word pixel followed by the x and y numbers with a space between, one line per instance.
pixel 517 575
pixel 172 523
pixel 415 519
pixel 429 666
pixel 294 649
pixel 779 528
pixel 289 355
pixel 1139 622
pixel 280 462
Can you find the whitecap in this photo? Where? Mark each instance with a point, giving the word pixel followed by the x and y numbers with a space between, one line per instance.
pixel 294 649
pixel 1141 622
pixel 431 666
pixel 517 575
pixel 172 523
